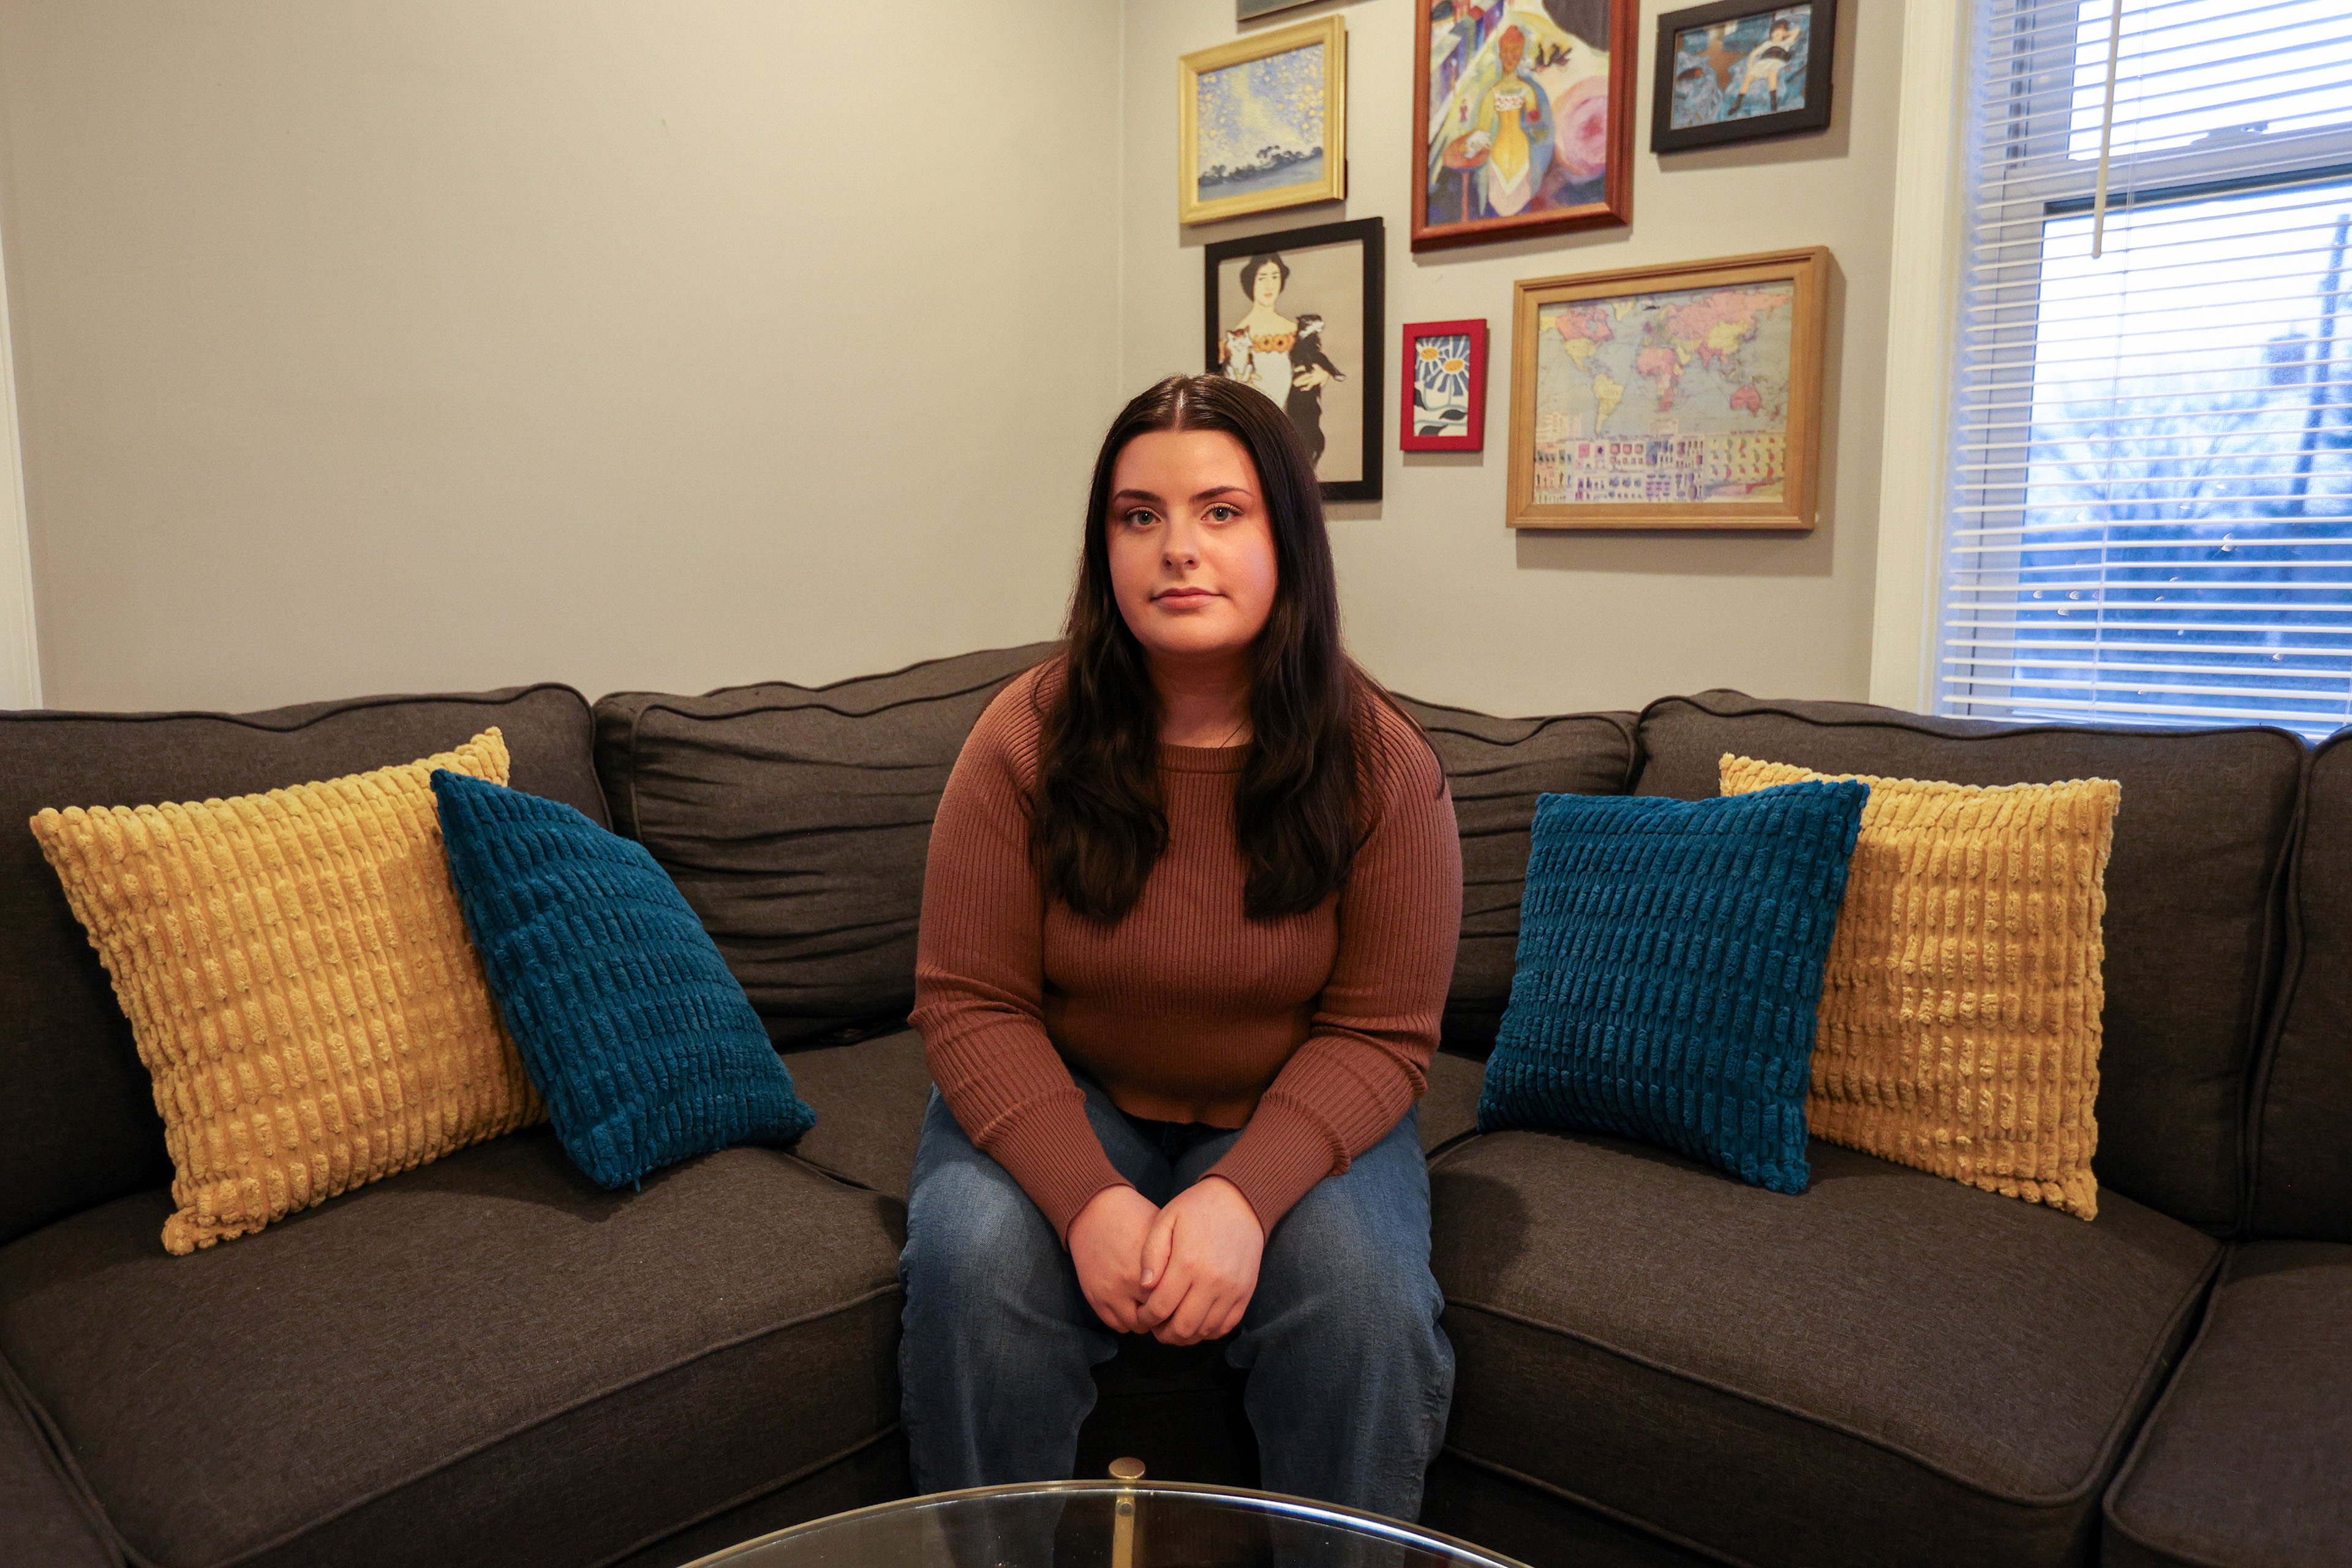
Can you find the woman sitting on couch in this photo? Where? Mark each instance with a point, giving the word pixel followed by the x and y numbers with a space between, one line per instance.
pixel 1188 923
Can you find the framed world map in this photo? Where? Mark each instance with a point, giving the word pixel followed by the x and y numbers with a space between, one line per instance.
pixel 1681 397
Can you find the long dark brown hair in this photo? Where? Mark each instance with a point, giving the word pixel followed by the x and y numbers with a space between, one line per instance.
pixel 1099 823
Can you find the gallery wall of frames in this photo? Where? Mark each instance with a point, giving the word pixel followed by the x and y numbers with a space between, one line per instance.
pixel 1582 302
pixel 1677 396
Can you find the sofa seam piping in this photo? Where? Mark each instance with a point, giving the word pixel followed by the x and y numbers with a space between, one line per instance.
pixel 1775 706
pixel 2088 1486
pixel 2272 1033
pixel 2156 1379
pixel 883 675
pixel 2130 1465
pixel 2282 966
pixel 844 1178
pixel 501 697
pixel 60 1461
pixel 669 704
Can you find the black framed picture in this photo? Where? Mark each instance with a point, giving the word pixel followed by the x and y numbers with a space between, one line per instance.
pixel 1298 316
pixel 1740 71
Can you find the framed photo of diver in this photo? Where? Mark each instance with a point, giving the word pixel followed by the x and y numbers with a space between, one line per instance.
pixel 1298 316
pixel 1262 122
pixel 1441 387
pixel 1740 71
pixel 1526 116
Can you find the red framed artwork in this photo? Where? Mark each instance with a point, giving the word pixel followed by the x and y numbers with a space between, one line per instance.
pixel 1527 116
pixel 1442 396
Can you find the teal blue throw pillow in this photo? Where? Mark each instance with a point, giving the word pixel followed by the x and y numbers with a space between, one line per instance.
pixel 643 1044
pixel 1670 966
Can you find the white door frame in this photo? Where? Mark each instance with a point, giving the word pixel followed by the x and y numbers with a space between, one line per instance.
pixel 20 650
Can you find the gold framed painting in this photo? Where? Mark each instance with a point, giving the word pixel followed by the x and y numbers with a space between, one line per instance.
pixel 1676 396
pixel 1262 122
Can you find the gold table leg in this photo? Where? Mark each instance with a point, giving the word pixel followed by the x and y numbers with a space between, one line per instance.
pixel 1122 1529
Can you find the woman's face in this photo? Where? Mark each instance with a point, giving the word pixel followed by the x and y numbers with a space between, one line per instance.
pixel 1192 545
pixel 1266 287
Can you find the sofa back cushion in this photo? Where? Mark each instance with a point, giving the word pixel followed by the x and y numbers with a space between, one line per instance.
pixel 796 819
pixel 1497 769
pixel 2191 896
pixel 2303 1097
pixel 77 1122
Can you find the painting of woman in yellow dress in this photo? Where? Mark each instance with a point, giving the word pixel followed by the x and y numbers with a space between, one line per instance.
pixel 1513 129
pixel 1524 130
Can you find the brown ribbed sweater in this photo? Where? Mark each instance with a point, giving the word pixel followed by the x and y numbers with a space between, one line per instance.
pixel 1315 1030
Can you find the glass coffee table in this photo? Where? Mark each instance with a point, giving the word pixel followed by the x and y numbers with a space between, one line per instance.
pixel 1119 1523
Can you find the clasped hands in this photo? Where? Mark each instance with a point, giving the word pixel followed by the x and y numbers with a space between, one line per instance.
pixel 1181 1274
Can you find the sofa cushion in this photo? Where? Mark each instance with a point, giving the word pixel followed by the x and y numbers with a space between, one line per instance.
pixel 2303 1099
pixel 796 820
pixel 486 1360
pixel 2245 1458
pixel 1889 1368
pixel 1449 1106
pixel 869 1100
pixel 1497 769
pixel 2199 847
pixel 77 1125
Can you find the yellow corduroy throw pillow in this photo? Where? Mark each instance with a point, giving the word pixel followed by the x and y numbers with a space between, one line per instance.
pixel 298 976
pixel 1960 1026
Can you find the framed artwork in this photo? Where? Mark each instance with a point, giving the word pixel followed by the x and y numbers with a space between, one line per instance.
pixel 1262 122
pixel 1298 316
pixel 1738 71
pixel 1244 10
pixel 1683 396
pixel 1441 387
pixel 1526 110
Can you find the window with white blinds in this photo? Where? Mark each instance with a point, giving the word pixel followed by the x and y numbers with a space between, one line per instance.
pixel 2151 505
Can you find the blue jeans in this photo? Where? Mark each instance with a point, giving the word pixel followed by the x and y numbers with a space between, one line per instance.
pixel 1350 1375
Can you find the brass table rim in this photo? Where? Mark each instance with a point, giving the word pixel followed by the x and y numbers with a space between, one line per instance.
pixel 1270 1502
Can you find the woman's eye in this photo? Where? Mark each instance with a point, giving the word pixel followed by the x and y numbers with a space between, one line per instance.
pixel 1223 514
pixel 1139 519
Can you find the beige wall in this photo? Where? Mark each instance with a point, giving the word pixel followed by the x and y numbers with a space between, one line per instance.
pixel 453 343
pixel 463 341
pixel 1441 600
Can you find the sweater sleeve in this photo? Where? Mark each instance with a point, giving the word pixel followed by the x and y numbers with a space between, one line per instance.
pixel 980 975
pixel 1365 1061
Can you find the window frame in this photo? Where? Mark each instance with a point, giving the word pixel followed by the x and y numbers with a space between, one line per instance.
pixel 2043 174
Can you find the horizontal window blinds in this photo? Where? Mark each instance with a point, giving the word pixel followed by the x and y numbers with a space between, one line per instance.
pixel 2151 504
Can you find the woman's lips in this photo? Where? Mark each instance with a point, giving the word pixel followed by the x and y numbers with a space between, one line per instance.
pixel 1183 596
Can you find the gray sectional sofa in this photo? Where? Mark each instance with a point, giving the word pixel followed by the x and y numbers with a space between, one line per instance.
pixel 490 1361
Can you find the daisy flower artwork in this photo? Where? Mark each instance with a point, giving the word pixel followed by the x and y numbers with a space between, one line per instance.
pixel 1444 390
